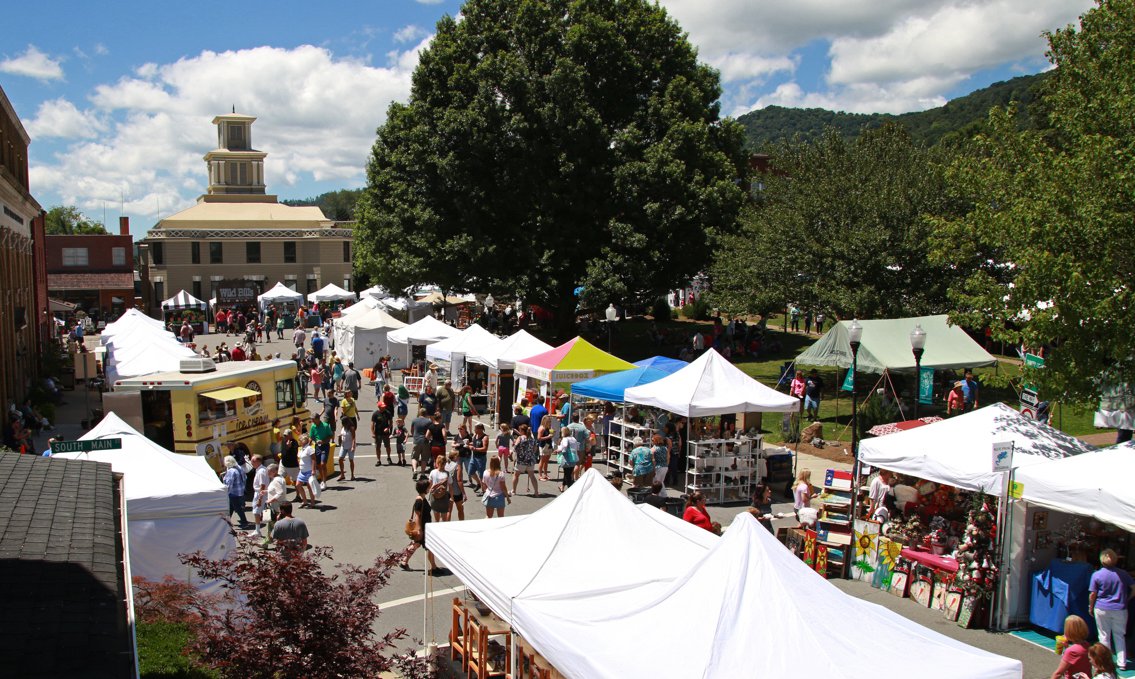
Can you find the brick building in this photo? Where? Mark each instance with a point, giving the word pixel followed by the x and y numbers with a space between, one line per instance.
pixel 23 290
pixel 95 272
pixel 237 231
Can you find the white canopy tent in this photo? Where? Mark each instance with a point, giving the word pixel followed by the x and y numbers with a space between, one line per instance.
pixel 364 304
pixel 456 349
pixel 332 293
pixel 958 451
pixel 279 294
pixel 1096 484
pixel 175 503
pixel 128 323
pixel 589 523
pixel 747 609
pixel 183 300
pixel 711 385
pixel 519 345
pixel 361 336
pixel 886 346
pixel 147 354
pixel 424 332
pixel 744 605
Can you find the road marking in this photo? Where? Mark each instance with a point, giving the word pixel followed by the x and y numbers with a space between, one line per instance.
pixel 419 597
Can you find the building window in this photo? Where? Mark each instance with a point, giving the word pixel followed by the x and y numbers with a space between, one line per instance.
pixel 216 253
pixel 159 290
pixel 346 251
pixel 118 256
pixel 311 283
pixel 157 254
pixel 252 253
pixel 195 252
pixel 347 284
pixel 289 252
pixel 197 289
pixel 75 256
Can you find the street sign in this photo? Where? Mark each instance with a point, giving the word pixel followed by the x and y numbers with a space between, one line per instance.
pixel 1028 411
pixel 85 446
pixel 1029 396
pixel 1033 361
pixel 1002 456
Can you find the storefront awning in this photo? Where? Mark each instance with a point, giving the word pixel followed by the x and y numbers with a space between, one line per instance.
pixel 230 394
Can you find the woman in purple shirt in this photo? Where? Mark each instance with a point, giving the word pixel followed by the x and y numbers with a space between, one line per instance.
pixel 1110 590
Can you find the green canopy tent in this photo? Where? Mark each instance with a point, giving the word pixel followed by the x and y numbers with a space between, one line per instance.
pixel 886 346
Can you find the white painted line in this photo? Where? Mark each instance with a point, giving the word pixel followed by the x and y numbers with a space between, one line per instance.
pixel 419 597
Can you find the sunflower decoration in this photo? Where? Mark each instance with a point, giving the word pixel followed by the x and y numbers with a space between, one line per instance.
pixel 866 541
pixel 890 552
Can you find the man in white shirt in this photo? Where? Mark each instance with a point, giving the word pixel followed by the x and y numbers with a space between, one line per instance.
pixel 260 481
pixel 277 493
pixel 880 488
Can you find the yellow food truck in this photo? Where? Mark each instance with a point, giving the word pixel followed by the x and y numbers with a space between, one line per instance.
pixel 205 407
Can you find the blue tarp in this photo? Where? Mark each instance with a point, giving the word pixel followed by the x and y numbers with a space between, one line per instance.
pixel 610 387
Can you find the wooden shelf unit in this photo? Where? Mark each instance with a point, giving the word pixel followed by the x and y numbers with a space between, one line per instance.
pixel 833 527
pixel 621 442
pixel 724 470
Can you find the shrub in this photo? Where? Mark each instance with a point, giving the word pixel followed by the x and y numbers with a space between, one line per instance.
pixel 698 310
pixel 661 310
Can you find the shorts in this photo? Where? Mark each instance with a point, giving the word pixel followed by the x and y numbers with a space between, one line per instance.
pixel 524 468
pixel 477 465
pixel 458 496
pixel 421 451
pixel 343 452
pixel 811 403
pixel 494 502
pixel 383 440
pixel 291 472
pixel 355 394
pixel 437 450
pixel 440 506
pixel 303 478
pixel 259 502
pixel 322 450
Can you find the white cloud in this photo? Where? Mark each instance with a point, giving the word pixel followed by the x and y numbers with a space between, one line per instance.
pixel 895 55
pixel 101 49
pixel 60 118
pixel 317 116
pixel 409 33
pixel 33 64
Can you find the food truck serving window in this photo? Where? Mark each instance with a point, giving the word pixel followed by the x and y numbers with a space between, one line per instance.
pixel 221 404
pixel 285 394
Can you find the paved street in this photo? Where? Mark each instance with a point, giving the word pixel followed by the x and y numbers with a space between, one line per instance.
pixel 364 518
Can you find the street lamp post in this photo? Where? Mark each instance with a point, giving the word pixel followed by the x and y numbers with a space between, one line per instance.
pixel 917 345
pixel 855 336
pixel 612 316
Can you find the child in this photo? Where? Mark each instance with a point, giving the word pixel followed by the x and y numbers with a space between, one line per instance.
pixel 1102 663
pixel 504 441
pixel 399 435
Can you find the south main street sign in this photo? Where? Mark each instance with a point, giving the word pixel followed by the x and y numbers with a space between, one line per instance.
pixel 85 446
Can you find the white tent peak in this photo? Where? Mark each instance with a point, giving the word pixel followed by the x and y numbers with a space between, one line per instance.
pixel 470 340
pixel 183 300
pixel 330 293
pixel 710 385
pixel 424 331
pixel 517 346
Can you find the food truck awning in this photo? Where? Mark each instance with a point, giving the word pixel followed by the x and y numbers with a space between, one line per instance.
pixel 230 394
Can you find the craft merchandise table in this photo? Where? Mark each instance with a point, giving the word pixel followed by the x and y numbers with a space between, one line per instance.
pixel 933 561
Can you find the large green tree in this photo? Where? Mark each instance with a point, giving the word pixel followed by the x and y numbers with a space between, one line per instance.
pixel 1053 215
pixel 67 220
pixel 552 144
pixel 838 227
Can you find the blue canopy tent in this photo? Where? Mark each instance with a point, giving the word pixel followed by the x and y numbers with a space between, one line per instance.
pixel 610 387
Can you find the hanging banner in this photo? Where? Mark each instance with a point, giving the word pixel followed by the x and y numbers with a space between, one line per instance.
pixel 1002 456
pixel 848 381
pixel 926 386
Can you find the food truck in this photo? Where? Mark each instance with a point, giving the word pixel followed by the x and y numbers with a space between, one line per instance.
pixel 206 407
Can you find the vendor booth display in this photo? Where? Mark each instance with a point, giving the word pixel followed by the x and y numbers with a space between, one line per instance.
pixel 723 468
pixel 175 503
pixel 501 362
pixel 362 337
pixel 185 307
pixel 332 293
pixel 282 296
pixel 417 336
pixel 579 619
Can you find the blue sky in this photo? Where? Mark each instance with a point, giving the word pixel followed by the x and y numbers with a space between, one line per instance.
pixel 119 96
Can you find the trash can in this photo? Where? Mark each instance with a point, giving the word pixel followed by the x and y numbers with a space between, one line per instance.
pixel 675 506
pixel 638 495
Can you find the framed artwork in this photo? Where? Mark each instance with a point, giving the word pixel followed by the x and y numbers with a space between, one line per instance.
pixel 1040 520
pixel 822 560
pixel 965 616
pixel 810 547
pixel 1043 539
pixel 794 541
pixel 938 598
pixel 921 591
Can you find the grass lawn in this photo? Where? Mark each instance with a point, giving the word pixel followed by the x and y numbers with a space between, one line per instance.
pixel 160 646
pixel 631 341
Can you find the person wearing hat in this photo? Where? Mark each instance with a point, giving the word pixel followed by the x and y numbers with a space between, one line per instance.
pixel 431 377
pixel 955 400
pixel 642 459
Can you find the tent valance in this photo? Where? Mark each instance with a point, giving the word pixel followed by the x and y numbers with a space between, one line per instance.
pixel 709 386
pixel 886 346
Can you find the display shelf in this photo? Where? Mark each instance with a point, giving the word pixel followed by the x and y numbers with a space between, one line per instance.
pixel 833 527
pixel 724 470
pixel 621 443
